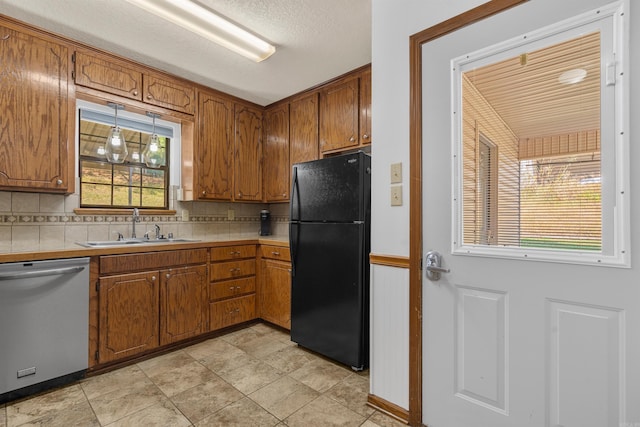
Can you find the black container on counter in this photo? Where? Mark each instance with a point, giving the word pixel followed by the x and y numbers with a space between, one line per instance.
pixel 265 223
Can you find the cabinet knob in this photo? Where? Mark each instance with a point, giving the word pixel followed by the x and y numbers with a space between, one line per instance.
pixel 204 192
pixel 149 97
pixel 284 194
pixel 237 288
pixel 168 275
pixel 135 93
pixel 153 278
pixel 59 182
pixel 240 195
pixel 365 136
pixel 352 139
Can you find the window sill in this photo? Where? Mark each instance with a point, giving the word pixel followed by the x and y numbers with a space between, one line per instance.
pixel 107 211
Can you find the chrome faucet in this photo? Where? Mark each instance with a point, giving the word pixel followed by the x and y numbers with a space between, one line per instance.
pixel 136 218
pixel 157 228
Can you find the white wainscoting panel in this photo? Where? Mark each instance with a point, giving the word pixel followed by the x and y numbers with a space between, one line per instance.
pixel 586 348
pixel 481 368
pixel 389 313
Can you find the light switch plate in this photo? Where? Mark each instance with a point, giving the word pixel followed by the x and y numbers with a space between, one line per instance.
pixel 231 214
pixel 396 173
pixel 396 195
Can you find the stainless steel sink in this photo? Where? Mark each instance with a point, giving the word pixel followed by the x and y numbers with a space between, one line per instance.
pixel 125 242
pixel 169 241
pixel 108 243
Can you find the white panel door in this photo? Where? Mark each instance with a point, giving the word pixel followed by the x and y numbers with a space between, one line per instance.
pixel 514 342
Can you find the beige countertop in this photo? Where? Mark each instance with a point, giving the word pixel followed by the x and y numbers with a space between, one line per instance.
pixel 73 250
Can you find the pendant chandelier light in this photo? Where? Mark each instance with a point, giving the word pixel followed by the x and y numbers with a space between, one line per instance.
pixel 116 147
pixel 153 155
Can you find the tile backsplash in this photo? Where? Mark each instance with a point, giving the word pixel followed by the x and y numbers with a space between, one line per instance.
pixel 32 221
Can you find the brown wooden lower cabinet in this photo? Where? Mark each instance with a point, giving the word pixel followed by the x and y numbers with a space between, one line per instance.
pixel 140 310
pixel 274 295
pixel 129 315
pixel 143 310
pixel 275 292
pixel 183 312
pixel 232 298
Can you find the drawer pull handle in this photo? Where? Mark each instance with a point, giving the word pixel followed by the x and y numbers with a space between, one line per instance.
pixel 231 288
pixel 275 253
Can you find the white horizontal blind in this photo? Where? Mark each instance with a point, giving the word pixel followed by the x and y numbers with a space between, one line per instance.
pixel 560 203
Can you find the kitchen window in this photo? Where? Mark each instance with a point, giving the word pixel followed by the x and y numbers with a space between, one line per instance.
pixel 129 184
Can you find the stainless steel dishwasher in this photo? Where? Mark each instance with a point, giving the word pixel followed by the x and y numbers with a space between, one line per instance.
pixel 44 325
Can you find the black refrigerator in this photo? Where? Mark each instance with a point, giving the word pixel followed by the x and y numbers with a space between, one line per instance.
pixel 329 233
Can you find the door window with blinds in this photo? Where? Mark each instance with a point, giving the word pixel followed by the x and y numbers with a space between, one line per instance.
pixel 540 154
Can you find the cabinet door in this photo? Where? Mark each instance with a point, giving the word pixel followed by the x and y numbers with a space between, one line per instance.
pixel 108 74
pixel 36 113
pixel 276 154
pixel 183 303
pixel 365 107
pixel 274 299
pixel 339 115
pixel 214 148
pixel 248 154
pixel 168 93
pixel 128 315
pixel 303 129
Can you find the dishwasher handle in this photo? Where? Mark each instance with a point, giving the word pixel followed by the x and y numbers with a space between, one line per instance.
pixel 40 273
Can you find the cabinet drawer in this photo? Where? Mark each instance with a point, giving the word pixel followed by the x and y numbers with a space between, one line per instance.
pixel 151 260
pixel 232 288
pixel 232 311
pixel 233 269
pixel 233 252
pixel 275 252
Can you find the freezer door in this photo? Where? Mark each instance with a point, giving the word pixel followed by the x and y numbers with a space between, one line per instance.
pixel 329 295
pixel 335 189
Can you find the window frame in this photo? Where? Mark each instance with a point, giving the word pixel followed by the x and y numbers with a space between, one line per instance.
pixel 172 178
pixel 614 111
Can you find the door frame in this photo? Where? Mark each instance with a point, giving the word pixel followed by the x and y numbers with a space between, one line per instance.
pixel 416 41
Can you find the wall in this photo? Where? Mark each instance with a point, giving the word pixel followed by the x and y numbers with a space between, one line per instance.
pixel 393 24
pixel 33 221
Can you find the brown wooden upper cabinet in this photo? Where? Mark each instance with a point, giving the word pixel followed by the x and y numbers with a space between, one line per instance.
pixel 303 128
pixel 37 112
pixel 112 75
pixel 276 153
pixel 247 167
pixel 345 113
pixel 227 154
pixel 365 107
pixel 213 153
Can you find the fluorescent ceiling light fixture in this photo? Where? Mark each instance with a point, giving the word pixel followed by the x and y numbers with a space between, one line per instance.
pixel 573 76
pixel 200 20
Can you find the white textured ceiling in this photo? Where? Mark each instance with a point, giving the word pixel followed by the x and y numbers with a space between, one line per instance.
pixel 316 40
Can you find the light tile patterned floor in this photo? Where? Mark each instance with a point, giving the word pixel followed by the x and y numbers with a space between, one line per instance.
pixel 252 377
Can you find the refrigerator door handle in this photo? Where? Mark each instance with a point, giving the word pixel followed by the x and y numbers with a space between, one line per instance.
pixel 293 245
pixel 295 200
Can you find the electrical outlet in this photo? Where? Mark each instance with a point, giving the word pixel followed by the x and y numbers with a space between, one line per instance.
pixel 396 173
pixel 185 214
pixel 231 214
pixel 396 195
